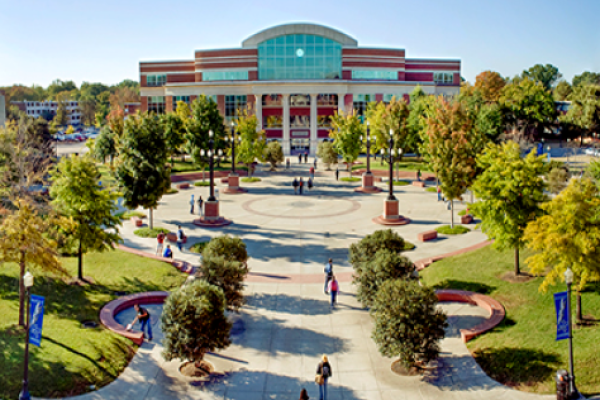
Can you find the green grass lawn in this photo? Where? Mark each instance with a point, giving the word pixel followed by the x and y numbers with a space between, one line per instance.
pixel 250 179
pixel 71 358
pixel 350 179
pixel 522 351
pixel 457 230
pixel 407 164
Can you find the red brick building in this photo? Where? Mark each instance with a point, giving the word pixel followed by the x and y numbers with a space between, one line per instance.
pixel 294 77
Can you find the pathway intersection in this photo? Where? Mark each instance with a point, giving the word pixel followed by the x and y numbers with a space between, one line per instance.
pixel 287 324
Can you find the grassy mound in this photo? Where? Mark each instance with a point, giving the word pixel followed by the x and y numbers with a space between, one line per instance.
pixel 172 191
pixel 251 179
pixel 401 183
pixel 457 230
pixel 431 189
pixel 198 247
pixel 408 246
pixel 72 358
pixel 202 183
pixel 130 214
pixel 150 233
pixel 350 179
pixel 522 351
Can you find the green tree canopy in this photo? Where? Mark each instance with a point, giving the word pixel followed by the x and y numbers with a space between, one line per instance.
pixel 346 131
pixel 587 78
pixel 105 145
pixel 408 323
pixel 367 247
pixel 567 235
pixel 142 171
pixel 253 142
pixel 232 248
pixel 174 127
pixel 273 154
pixel 393 116
pixel 489 84
pixel 76 195
pixel 547 75
pixel 194 322
pixel 584 111
pixel 228 275
pixel 205 116
pixel 326 152
pixel 562 91
pixel 510 191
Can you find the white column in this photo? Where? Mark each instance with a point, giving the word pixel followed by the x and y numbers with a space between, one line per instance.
pixel 258 111
pixel 286 124
pixel 313 124
pixel 341 104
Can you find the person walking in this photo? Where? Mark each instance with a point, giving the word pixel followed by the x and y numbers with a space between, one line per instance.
pixel 143 316
pixel 300 185
pixel 337 174
pixel 315 163
pixel 217 193
pixel 311 172
pixel 160 240
pixel 324 372
pixel 192 202
pixel 295 185
pixel 309 183
pixel 419 175
pixel 287 163
pixel 439 192
pixel 328 274
pixel 334 288
pixel 300 158
pixel 168 252
pixel 200 210
pixel 180 236
pixel 305 158
pixel 304 395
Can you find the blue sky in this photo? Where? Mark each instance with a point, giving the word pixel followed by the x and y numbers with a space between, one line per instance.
pixel 103 41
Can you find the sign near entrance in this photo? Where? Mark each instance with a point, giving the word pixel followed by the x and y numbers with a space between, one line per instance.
pixel 300 133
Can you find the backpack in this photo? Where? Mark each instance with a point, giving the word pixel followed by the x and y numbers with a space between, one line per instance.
pixel 329 269
pixel 301 183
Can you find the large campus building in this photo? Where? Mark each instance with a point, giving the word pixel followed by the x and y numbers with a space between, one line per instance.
pixel 294 77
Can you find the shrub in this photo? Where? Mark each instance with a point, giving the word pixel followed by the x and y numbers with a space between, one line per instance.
pixel 232 248
pixel 250 179
pixel 462 212
pixel 131 214
pixel 198 247
pixel 202 183
pixel 350 179
pixel 448 230
pixel 431 189
pixel 408 324
pixel 194 322
pixel 557 180
pixel 171 191
pixel 273 154
pixel 228 275
pixel 365 250
pixel 326 152
pixel 400 183
pixel 385 265
pixel 150 232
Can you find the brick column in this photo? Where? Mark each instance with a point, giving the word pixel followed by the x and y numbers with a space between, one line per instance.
pixel 313 124
pixel 286 124
pixel 221 104
pixel 169 103
pixel 144 105
pixel 258 111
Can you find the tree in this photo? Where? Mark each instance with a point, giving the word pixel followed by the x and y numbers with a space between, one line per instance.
pixel 205 116
pixel 567 235
pixel 408 323
pixel 142 171
pixel 24 240
pixel 385 265
pixel 174 133
pixel 105 145
pixel 228 275
pixel 194 322
pixel 562 91
pixel 489 84
pixel 62 112
pixel 367 247
pixel 76 195
pixel 326 152
pixel 547 75
pixel 232 248
pixel 510 191
pixel 393 116
pixel 273 154
pixel 584 112
pixel 58 87
pixel 88 111
pixel 253 142
pixel 587 78
pixel 419 107
pixel 527 106
pixel 453 143
pixel 123 95
pixel 557 180
pixel 346 132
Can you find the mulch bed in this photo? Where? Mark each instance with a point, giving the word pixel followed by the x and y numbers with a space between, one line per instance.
pixel 190 369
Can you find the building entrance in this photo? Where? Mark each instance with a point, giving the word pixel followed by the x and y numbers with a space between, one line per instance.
pixel 299 146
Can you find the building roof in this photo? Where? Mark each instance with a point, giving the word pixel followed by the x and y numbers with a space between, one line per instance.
pixel 301 28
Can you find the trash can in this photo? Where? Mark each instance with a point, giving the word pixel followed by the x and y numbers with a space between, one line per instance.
pixel 562 385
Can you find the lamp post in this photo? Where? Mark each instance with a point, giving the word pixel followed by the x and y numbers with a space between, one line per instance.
pixel 368 137
pixel 210 154
pixel 232 140
pixel 548 148
pixel 569 281
pixel 233 181
pixel 24 395
pixel 367 177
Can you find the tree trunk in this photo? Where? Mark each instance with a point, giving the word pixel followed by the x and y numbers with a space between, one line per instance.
pixel 80 261
pixel 22 290
pixel 151 219
pixel 452 213
pixel 578 312
pixel 517 268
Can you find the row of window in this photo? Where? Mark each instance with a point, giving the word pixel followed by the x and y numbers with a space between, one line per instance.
pixel 375 74
pixel 300 100
pixel 50 104
pixel 156 80
pixel 443 77
pixel 296 121
pixel 225 76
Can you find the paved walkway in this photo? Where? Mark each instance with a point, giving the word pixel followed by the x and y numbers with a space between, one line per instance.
pixel 288 323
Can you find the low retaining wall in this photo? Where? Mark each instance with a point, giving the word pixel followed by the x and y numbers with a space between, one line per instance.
pixel 425 262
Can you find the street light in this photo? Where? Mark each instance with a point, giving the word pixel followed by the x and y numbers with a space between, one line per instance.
pixel 392 152
pixel 24 395
pixel 210 153
pixel 368 148
pixel 232 139
pixel 569 281
pixel 548 148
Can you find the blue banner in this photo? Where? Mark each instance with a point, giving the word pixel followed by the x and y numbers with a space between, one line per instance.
pixel 36 319
pixel 562 315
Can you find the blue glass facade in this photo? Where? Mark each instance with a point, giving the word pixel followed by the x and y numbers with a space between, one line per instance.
pixel 299 57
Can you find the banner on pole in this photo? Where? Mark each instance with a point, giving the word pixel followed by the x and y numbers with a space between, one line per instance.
pixel 562 315
pixel 36 319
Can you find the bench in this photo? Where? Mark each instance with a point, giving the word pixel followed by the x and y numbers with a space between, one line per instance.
pixel 418 184
pixel 425 236
pixel 184 185
pixel 466 219
pixel 137 221
pixel 172 237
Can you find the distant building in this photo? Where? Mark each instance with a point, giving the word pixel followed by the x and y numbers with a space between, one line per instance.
pixel 295 77
pixel 131 108
pixel 47 110
pixel 2 109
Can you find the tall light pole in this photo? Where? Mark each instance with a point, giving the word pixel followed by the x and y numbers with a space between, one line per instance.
pixel 210 154
pixel 368 137
pixel 24 395
pixel 233 180
pixel 569 281
pixel 367 177
pixel 232 140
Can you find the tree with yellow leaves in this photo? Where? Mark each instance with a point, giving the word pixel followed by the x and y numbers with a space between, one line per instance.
pixel 568 235
pixel 24 241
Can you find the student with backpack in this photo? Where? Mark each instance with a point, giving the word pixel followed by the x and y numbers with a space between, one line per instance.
pixel 334 288
pixel 328 274
pixel 300 185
